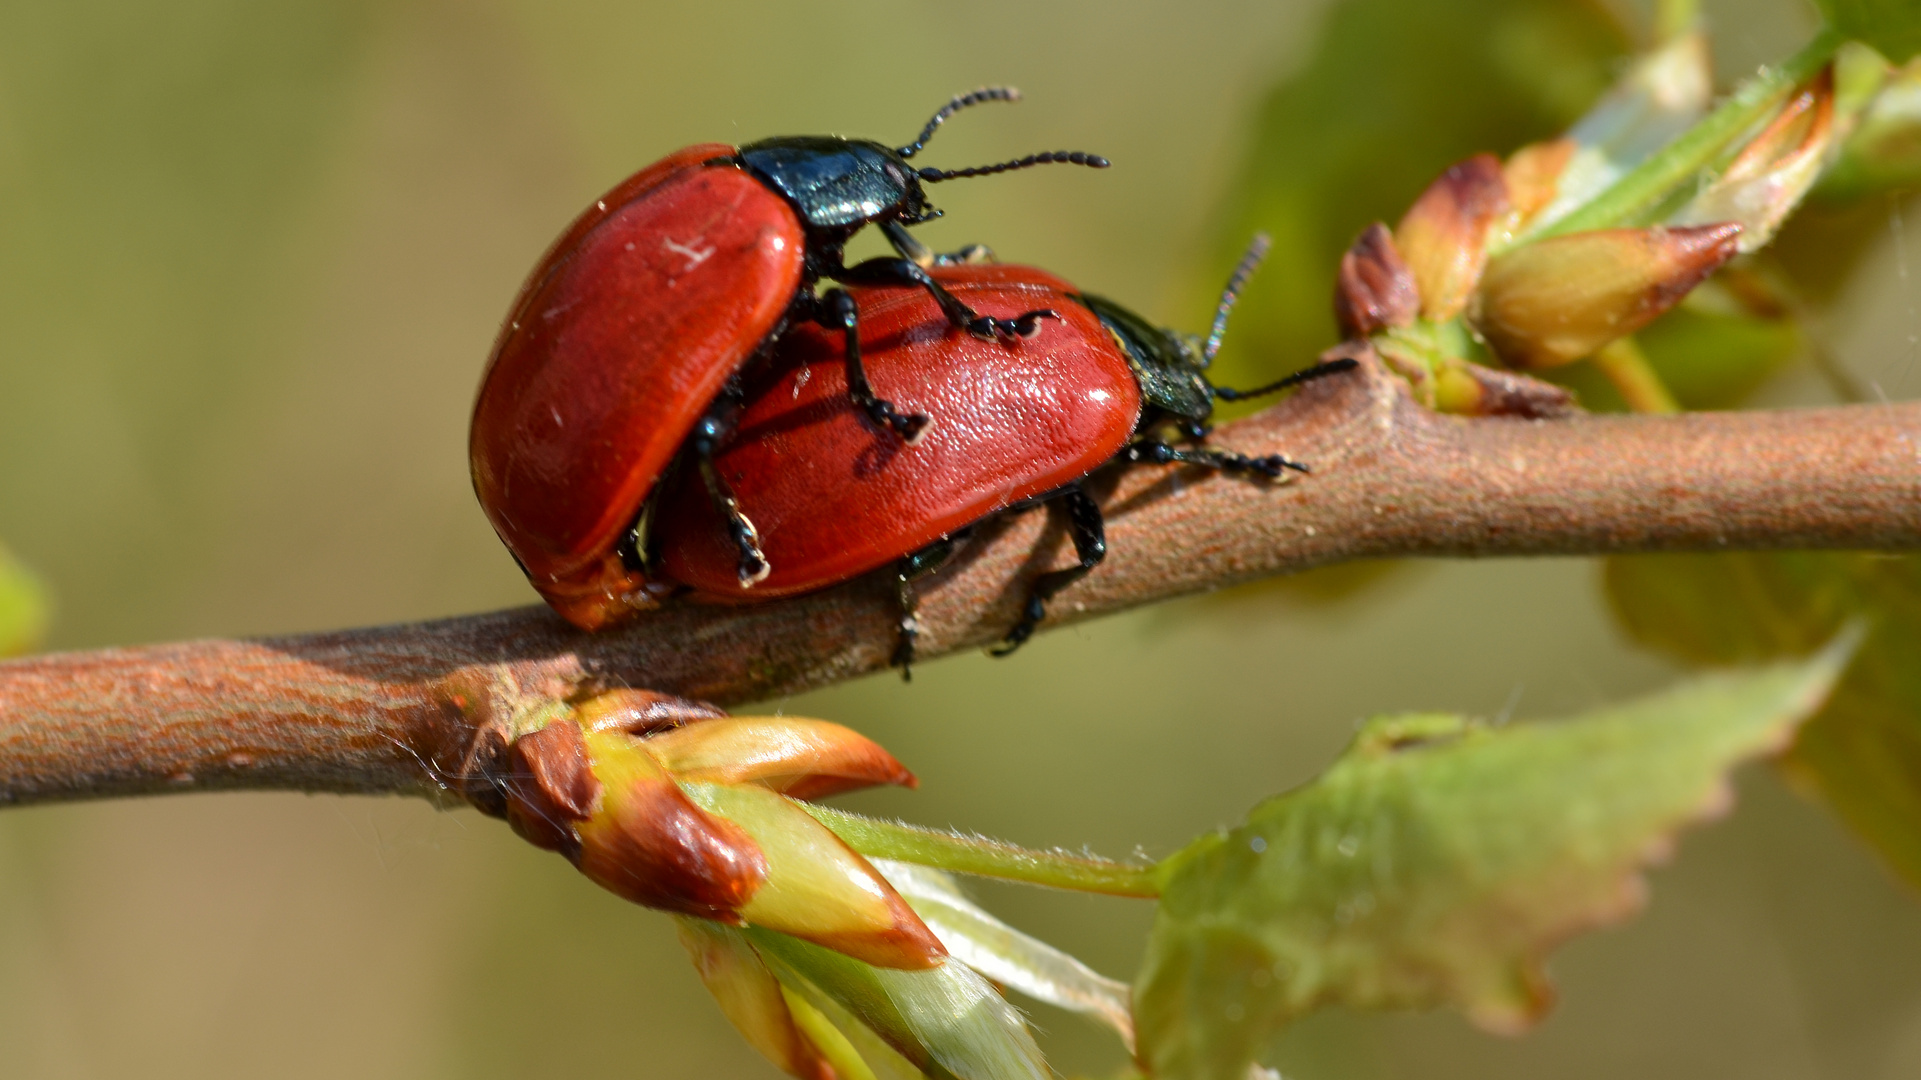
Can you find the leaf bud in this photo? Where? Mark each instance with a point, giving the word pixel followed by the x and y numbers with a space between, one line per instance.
pixel 1533 175
pixel 640 712
pixel 1443 237
pixel 1373 289
pixel 803 759
pixel 1767 181
pixel 816 887
pixel 1555 301
pixel 751 998
pixel 647 842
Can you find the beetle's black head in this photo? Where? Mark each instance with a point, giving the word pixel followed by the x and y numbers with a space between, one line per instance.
pixel 839 184
pixel 1172 367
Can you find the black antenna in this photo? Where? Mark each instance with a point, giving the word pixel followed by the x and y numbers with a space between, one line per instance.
pixel 1320 370
pixel 1052 157
pixel 962 101
pixel 1257 251
pixel 1305 375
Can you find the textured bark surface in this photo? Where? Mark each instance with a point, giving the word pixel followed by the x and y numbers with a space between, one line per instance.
pixel 412 708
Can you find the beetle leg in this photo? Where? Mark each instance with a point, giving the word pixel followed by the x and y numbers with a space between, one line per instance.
pixel 1089 530
pixel 907 570
pixel 1155 452
pixel 885 271
pixel 924 257
pixel 839 312
pixel 753 567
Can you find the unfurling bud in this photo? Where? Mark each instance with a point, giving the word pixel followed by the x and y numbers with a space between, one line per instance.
pixel 673 804
pixel 1443 238
pixel 1374 289
pixel 752 998
pixel 817 888
pixel 1764 185
pixel 1555 301
pixel 1661 96
pixel 804 759
pixel 646 842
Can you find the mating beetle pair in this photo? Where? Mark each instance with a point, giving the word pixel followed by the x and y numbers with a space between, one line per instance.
pixel 671 403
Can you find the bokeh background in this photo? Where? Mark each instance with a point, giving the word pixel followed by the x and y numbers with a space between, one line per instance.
pixel 251 260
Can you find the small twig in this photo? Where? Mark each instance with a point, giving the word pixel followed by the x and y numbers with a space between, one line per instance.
pixel 402 708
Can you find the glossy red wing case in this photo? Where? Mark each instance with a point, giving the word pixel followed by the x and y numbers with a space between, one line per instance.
pixel 619 341
pixel 834 496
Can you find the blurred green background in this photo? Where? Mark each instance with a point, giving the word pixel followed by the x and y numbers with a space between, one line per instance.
pixel 251 259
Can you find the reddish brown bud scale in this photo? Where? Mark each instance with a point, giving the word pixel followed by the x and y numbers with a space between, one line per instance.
pixel 647 842
pixel 1469 389
pixel 1555 301
pixel 1443 237
pixel 641 712
pixel 1374 289
pixel 550 787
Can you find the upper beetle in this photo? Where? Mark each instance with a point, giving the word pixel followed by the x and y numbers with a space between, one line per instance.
pixel 647 306
pixel 832 497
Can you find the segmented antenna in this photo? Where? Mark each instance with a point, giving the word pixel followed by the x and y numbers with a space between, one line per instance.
pixel 1308 374
pixel 1257 250
pixel 1052 157
pixel 962 101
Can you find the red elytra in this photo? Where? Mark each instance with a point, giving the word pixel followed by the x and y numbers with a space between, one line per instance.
pixel 648 303
pixel 833 497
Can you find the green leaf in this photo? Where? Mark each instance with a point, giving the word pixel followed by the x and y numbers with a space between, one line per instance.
pixel 948 1021
pixel 1861 755
pixel 23 607
pixel 1438 861
pixel 1394 93
pixel 976 938
pixel 1892 26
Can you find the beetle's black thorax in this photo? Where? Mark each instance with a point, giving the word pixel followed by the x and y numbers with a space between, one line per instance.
pixel 837 185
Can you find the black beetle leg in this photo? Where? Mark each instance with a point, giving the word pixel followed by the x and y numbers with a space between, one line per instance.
pixel 839 312
pixel 705 440
pixel 923 256
pixel 1089 531
pixel 1155 452
pixel 907 570
pixel 884 271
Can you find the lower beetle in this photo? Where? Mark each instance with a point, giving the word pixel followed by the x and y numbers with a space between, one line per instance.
pixel 832 498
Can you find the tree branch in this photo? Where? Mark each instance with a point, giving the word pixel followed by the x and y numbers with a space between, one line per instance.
pixel 406 709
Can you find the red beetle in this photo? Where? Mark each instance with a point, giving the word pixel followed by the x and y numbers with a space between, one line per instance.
pixel 833 498
pixel 639 315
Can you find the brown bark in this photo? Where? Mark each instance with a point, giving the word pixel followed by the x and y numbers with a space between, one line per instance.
pixel 401 708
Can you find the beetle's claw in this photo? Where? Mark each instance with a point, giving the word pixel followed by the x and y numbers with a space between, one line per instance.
pixel 754 567
pixel 753 570
pixel 1029 325
pixel 1274 466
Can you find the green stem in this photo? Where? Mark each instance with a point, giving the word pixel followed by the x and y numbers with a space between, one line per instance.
pixel 985 858
pixel 1653 179
pixel 1627 367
